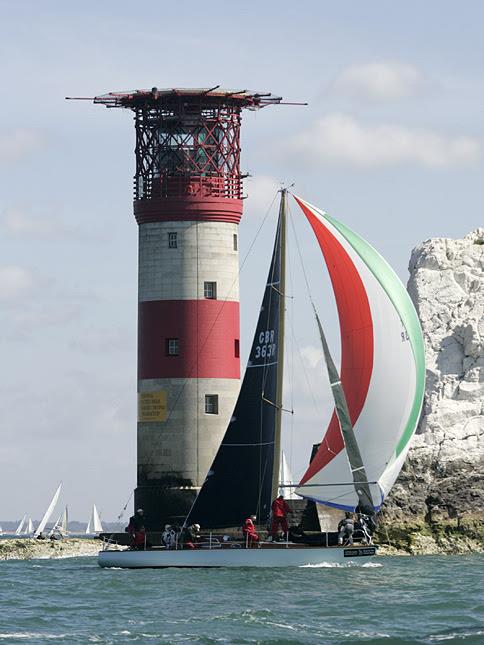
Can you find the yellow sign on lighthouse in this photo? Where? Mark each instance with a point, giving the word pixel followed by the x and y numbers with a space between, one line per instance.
pixel 152 406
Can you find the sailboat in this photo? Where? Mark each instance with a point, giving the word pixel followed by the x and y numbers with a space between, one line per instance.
pixel 30 527
pixel 59 529
pixel 94 525
pixel 48 512
pixel 377 393
pixel 18 530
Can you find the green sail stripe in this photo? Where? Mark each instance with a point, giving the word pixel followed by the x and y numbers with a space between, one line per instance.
pixel 401 301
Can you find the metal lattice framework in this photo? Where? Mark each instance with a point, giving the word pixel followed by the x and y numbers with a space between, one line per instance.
pixel 192 150
pixel 187 141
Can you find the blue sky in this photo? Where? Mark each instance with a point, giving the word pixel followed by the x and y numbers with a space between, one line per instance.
pixel 391 143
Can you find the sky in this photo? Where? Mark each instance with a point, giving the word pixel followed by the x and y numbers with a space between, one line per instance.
pixel 391 142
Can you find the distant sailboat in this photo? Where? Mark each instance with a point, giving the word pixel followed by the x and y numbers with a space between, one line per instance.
pixel 48 512
pixel 285 480
pixel 65 521
pixel 18 530
pixel 94 525
pixel 30 527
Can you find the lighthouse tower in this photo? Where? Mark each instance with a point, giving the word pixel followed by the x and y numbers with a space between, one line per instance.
pixel 188 204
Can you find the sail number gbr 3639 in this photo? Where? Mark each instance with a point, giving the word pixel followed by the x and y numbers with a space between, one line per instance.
pixel 266 348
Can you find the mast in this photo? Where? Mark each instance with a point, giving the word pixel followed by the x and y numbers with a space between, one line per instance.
pixel 280 350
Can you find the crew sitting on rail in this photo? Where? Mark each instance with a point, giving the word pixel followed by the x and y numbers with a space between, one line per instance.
pixel 189 536
pixel 280 509
pixel 168 537
pixel 250 534
pixel 346 528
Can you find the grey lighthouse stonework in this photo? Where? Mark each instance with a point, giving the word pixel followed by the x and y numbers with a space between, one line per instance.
pixel 176 261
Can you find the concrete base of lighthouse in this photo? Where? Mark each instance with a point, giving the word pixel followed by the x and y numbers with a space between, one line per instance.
pixel 175 454
pixel 164 502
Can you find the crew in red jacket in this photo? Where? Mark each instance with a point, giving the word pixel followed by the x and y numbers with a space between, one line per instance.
pixel 250 534
pixel 280 509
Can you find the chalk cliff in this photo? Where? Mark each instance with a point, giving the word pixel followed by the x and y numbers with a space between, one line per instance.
pixel 442 481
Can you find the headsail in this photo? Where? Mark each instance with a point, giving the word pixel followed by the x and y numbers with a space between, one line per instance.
pixel 240 480
pixel 382 367
pixel 97 527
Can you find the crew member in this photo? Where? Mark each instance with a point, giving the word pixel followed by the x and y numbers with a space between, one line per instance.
pixel 189 537
pixel 136 528
pixel 250 534
pixel 346 528
pixel 280 509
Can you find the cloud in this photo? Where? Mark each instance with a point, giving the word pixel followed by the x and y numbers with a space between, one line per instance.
pixel 343 139
pixel 20 223
pixel 14 281
pixel 19 143
pixel 311 355
pixel 261 191
pixel 379 81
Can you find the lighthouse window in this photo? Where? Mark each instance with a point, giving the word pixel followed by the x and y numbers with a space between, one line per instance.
pixel 236 348
pixel 211 403
pixel 210 290
pixel 172 347
pixel 172 240
pixel 235 242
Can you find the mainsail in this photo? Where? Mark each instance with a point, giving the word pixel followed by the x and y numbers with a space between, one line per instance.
pixel 19 528
pixel 382 368
pixel 241 479
pixel 94 525
pixel 48 512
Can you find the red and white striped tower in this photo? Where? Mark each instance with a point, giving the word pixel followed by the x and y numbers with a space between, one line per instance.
pixel 188 204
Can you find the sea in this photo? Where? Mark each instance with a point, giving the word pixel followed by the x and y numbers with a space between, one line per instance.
pixel 426 599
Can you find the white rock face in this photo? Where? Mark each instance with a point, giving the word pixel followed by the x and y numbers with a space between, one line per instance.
pixel 447 287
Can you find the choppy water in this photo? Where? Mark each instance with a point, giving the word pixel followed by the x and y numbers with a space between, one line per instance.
pixel 428 599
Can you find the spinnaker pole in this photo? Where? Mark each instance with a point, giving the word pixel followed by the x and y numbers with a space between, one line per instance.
pixel 281 292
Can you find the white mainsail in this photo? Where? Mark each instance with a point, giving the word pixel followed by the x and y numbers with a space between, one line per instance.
pixel 30 527
pixel 285 480
pixel 64 521
pixel 19 528
pixel 94 525
pixel 48 512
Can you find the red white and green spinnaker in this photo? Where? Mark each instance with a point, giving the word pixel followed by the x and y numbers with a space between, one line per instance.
pixel 382 368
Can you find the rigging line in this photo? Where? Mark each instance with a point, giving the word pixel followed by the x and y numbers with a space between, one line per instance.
pixel 125 506
pixel 291 284
pixel 198 356
pixel 223 302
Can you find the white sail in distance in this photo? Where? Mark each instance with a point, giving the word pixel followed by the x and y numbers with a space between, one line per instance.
pixel 30 527
pixel 64 521
pixel 94 525
pixel 285 480
pixel 48 512
pixel 19 528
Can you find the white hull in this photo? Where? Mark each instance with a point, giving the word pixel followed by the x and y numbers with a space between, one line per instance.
pixel 292 556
